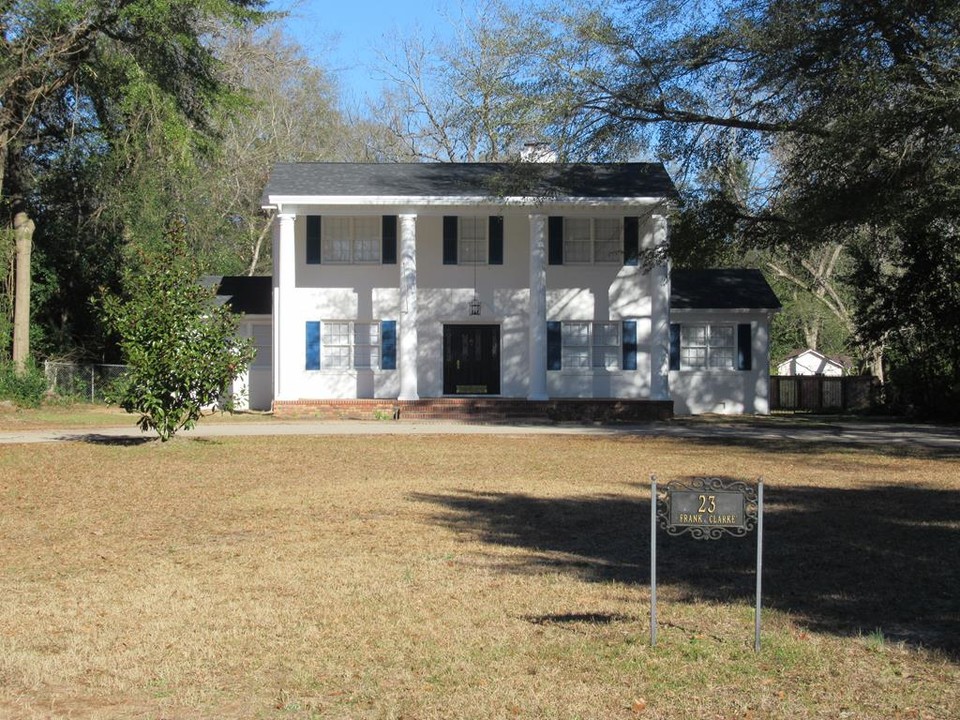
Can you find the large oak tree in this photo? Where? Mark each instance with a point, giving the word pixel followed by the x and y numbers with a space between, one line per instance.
pixel 850 115
pixel 77 75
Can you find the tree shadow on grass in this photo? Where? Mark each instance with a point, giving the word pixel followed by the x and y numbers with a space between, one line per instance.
pixel 941 444
pixel 843 561
pixel 111 440
pixel 130 441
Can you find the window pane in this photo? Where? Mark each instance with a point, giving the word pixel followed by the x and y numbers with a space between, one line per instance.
pixel 607 241
pixel 366 251
pixel 693 358
pixel 721 336
pixel 366 239
pixel 576 240
pixel 473 240
pixel 606 357
pixel 576 334
pixel 335 246
pixel 606 334
pixel 693 335
pixel 335 357
pixel 336 333
pixel 721 358
pixel 576 358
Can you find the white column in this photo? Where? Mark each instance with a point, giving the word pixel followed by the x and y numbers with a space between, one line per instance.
pixel 537 308
pixel 285 268
pixel 408 308
pixel 660 312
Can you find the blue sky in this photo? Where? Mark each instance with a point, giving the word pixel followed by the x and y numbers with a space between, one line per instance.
pixel 342 35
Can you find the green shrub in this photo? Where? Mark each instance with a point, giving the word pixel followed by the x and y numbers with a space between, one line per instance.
pixel 24 389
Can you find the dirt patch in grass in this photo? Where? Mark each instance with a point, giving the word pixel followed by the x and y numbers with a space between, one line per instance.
pixel 467 577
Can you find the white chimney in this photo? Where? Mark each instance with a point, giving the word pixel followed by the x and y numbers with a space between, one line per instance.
pixel 538 152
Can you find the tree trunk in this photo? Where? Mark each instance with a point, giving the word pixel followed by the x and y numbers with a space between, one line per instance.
pixel 23 228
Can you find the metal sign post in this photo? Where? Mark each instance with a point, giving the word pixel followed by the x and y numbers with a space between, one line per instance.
pixel 756 616
pixel 706 509
pixel 653 560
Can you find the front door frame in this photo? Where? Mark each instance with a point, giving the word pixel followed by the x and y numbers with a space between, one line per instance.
pixel 482 374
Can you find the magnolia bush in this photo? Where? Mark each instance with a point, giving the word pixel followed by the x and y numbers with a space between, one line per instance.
pixel 181 348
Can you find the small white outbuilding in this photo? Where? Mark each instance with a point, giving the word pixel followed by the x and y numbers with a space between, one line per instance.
pixel 810 362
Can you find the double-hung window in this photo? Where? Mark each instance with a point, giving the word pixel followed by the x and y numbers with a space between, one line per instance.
pixel 351 240
pixel 592 240
pixel 711 346
pixel 591 345
pixel 351 345
pixel 473 240
pixel 348 345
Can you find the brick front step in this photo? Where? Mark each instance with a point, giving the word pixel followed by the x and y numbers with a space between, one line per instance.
pixel 484 410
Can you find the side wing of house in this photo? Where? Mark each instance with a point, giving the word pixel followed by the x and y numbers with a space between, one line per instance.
pixel 251 298
pixel 719 341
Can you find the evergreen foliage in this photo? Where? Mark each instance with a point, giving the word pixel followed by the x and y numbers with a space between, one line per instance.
pixel 24 389
pixel 846 117
pixel 181 348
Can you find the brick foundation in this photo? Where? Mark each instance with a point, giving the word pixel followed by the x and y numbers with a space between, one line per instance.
pixel 482 410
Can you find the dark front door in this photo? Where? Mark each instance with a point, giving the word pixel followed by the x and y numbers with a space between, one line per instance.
pixel 471 359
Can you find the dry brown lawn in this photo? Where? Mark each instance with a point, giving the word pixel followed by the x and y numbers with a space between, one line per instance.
pixel 468 577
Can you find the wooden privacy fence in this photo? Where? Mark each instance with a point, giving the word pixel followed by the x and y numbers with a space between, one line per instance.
pixel 814 393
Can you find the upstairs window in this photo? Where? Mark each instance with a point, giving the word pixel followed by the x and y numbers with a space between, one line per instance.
pixel 593 241
pixel 360 240
pixel 351 240
pixel 472 240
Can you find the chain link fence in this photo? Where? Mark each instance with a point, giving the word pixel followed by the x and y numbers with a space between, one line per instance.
pixel 88 383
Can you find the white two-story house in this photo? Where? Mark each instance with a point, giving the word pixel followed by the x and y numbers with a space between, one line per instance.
pixel 513 280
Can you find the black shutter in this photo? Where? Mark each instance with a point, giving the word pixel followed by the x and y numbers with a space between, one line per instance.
pixel 631 241
pixel 388 254
pixel 450 226
pixel 555 240
pixel 744 349
pixel 674 346
pixel 495 240
pixel 629 344
pixel 554 346
pixel 313 239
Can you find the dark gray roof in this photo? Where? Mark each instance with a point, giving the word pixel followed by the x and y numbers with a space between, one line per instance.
pixel 607 180
pixel 721 290
pixel 247 295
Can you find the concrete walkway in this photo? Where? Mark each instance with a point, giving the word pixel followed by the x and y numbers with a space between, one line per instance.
pixel 895 435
